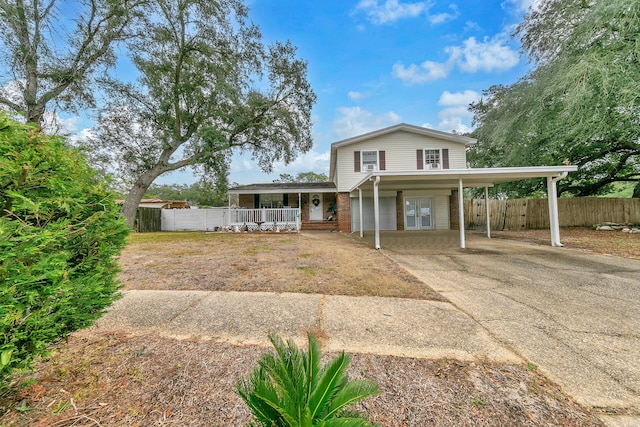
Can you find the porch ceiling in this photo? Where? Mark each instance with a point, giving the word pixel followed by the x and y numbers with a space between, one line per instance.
pixel 449 178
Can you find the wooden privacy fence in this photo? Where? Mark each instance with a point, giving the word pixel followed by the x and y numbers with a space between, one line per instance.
pixel 149 220
pixel 520 214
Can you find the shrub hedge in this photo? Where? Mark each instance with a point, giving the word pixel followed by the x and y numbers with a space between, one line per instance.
pixel 60 235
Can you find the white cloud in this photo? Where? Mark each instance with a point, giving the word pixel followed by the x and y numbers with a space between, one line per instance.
pixel 449 99
pixel 522 5
pixel 491 54
pixel 488 55
pixel 428 71
pixel 453 124
pixel 472 26
pixel 356 121
pixel 427 125
pixel 357 96
pixel 456 115
pixel 242 164
pixel 459 111
pixel 391 10
pixel 311 161
pixel 440 18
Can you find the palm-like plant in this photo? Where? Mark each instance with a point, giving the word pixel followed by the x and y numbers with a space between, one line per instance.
pixel 292 389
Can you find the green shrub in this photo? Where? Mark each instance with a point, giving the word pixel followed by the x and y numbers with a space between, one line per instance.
pixel 291 389
pixel 60 234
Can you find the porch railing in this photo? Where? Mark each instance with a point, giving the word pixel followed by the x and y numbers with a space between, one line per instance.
pixel 265 218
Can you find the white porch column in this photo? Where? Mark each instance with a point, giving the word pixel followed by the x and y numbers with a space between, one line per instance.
pixel 461 212
pixel 376 212
pixel 360 211
pixel 554 223
pixel 488 210
pixel 299 218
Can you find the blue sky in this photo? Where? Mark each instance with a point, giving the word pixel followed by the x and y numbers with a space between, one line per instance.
pixel 375 63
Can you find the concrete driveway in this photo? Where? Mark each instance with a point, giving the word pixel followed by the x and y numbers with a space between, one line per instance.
pixel 573 314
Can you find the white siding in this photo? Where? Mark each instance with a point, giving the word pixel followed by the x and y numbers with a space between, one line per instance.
pixel 442 219
pixel 387 213
pixel 400 155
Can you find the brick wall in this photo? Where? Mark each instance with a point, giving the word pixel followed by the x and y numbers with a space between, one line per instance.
pixel 453 210
pixel 400 211
pixel 344 212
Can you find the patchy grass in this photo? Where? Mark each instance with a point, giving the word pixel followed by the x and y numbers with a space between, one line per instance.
pixel 321 263
pixel 613 243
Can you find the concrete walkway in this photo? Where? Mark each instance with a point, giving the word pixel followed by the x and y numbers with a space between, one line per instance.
pixel 575 315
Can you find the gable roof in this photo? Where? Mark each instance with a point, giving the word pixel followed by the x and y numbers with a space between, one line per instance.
pixel 401 127
pixel 406 128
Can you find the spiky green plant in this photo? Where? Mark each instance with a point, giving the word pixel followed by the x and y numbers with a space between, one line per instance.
pixel 292 389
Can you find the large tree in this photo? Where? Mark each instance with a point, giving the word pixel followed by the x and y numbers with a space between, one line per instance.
pixel 302 177
pixel 207 85
pixel 580 103
pixel 51 50
pixel 202 193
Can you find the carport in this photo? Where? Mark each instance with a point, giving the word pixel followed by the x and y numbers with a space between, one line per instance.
pixel 459 179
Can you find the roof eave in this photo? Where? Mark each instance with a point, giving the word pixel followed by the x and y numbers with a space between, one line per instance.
pixel 498 174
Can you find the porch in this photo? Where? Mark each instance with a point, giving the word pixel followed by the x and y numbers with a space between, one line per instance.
pixel 264 219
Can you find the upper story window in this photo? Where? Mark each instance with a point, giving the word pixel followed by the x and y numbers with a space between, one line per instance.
pixel 369 161
pixel 433 159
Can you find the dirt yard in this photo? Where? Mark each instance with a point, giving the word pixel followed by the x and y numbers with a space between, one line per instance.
pixel 120 379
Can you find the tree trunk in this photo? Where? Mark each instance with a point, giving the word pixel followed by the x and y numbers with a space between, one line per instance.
pixel 130 206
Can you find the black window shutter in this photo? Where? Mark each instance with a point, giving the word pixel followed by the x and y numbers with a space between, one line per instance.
pixel 356 161
pixel 419 154
pixel 383 160
pixel 256 201
pixel 445 158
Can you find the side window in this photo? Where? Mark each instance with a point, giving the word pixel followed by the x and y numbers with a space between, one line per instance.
pixel 369 161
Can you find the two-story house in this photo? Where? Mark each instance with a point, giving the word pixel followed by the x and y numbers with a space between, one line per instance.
pixel 402 177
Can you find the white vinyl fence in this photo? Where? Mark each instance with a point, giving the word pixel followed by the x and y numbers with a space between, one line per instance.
pixel 235 219
pixel 193 219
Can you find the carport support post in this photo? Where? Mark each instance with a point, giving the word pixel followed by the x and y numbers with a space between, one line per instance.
pixel 461 212
pixel 488 210
pixel 376 211
pixel 360 211
pixel 554 223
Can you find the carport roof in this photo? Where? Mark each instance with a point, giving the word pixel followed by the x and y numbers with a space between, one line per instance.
pixel 449 178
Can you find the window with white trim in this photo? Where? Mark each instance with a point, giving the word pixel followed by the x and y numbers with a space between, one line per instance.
pixel 271 200
pixel 432 159
pixel 369 161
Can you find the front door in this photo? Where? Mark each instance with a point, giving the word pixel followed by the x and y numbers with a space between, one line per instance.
pixel 315 208
pixel 417 213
